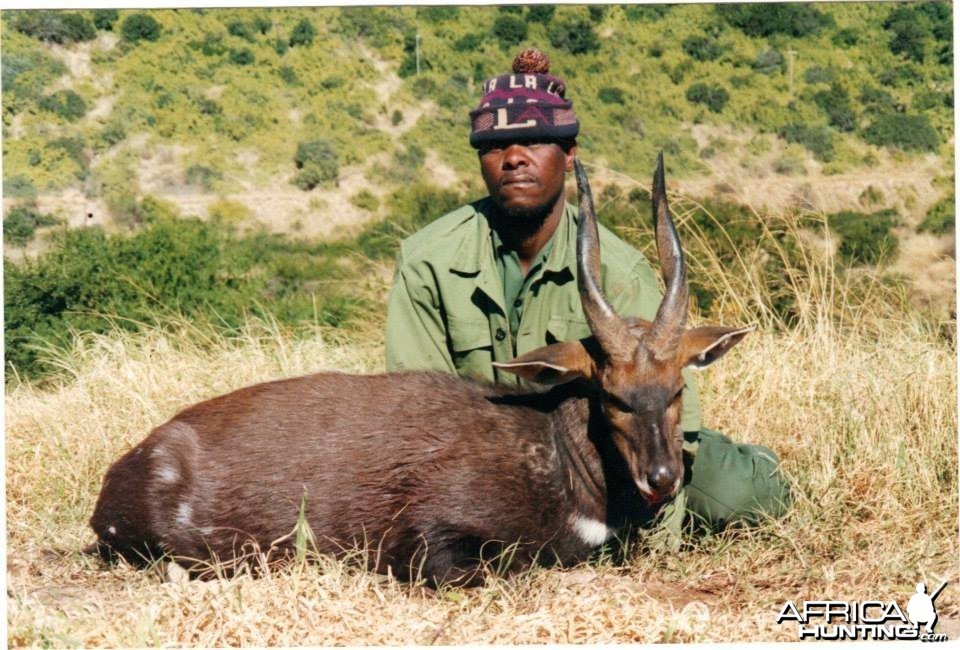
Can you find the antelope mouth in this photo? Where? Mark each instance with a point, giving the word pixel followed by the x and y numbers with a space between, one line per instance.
pixel 653 497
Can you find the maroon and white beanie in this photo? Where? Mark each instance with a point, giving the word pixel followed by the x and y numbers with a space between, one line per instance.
pixel 526 105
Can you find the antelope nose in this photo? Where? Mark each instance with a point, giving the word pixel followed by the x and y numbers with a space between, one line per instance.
pixel 661 479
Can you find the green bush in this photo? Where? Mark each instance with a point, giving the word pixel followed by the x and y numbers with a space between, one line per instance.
pixel 635 13
pixel 793 19
pixel 468 43
pixel 835 102
pixel 19 187
pixel 817 139
pixel 875 100
pixel 105 18
pixel 53 26
pixel 242 30
pixel 202 176
pixel 317 162
pixel 140 27
pixel 941 218
pixel 865 238
pixel 611 95
pixel 542 14
pixel 65 103
pixel 712 96
pixel 365 200
pixel 702 48
pixel 576 36
pixel 846 37
pixel 509 30
pixel 438 13
pixel 303 33
pixel 242 57
pixel 21 223
pixel 768 61
pixel 907 132
pixel 819 75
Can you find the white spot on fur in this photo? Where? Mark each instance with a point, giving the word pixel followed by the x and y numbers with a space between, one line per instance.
pixel 591 531
pixel 184 514
pixel 168 474
pixel 112 530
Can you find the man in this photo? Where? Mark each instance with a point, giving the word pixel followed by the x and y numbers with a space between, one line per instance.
pixel 497 278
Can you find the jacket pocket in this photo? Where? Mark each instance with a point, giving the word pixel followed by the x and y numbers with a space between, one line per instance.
pixel 567 329
pixel 470 347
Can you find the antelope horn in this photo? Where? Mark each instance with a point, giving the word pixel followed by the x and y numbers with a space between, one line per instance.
pixel 608 328
pixel 671 316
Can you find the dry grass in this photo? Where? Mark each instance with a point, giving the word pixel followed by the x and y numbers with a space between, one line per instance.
pixel 859 399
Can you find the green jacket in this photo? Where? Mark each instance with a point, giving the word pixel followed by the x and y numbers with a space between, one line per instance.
pixel 446 308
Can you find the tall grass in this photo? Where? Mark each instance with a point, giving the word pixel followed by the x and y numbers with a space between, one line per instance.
pixel 856 392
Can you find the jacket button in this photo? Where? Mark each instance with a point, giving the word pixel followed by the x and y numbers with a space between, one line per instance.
pixel 501 334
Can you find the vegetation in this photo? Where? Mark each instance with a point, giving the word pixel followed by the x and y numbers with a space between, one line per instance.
pixel 22 221
pixel 139 27
pixel 908 132
pixel 941 218
pixel 865 239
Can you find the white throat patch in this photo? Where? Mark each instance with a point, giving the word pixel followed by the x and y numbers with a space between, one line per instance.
pixel 591 531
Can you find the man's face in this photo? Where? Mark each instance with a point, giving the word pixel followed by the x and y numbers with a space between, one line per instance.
pixel 526 178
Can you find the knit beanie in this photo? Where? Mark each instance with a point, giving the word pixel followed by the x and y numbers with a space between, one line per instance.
pixel 528 104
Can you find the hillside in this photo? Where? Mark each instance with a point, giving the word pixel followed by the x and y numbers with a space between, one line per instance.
pixel 317 124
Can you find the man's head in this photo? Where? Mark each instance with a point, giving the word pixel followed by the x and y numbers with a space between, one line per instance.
pixel 525 132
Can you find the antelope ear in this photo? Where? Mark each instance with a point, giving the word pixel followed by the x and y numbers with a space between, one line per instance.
pixel 552 364
pixel 701 346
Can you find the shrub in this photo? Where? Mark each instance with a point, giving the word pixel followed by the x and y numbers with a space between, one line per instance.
pixel 576 36
pixel 635 13
pixel 907 132
pixel 65 103
pixel 596 12
pixel 242 57
pixel 509 30
pixel 19 187
pixel 846 37
pixel 702 48
pixel 280 46
pixel 438 13
pixel 54 26
pixel 289 75
pixel 875 100
pixel 835 102
pixel 202 176
pixel 909 39
pixel 865 239
pixel 468 43
pixel 105 18
pixel 303 33
pixel 817 139
pixel 768 61
pixel 940 218
pixel 21 223
pixel 317 162
pixel 365 200
pixel 242 30
pixel 819 75
pixel 229 212
pixel 611 95
pixel 262 24
pixel 793 19
pixel 140 26
pixel 542 14
pixel 396 117
pixel 712 96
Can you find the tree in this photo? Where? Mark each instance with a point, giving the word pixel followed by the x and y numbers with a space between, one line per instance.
pixel 303 33
pixel 140 26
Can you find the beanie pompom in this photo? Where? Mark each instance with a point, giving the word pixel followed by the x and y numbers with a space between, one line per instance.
pixel 531 61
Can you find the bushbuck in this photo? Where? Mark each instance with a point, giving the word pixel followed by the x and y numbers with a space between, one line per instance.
pixel 431 473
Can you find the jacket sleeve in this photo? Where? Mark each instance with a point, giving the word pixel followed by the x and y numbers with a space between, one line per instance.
pixel 415 334
pixel 639 295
